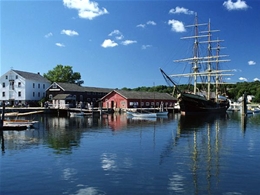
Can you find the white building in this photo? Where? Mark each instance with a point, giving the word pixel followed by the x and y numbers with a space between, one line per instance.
pixel 19 87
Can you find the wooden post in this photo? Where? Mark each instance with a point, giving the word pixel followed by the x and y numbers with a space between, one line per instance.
pixel 1 127
pixel 244 105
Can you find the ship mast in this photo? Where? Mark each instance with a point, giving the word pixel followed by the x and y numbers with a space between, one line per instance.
pixel 196 53
pixel 211 61
pixel 196 58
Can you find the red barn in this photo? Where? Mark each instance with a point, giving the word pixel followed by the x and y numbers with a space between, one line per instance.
pixel 121 99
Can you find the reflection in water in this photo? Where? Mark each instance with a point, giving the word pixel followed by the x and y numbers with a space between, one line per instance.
pixel 202 135
pixel 115 154
pixel 176 183
pixel 109 162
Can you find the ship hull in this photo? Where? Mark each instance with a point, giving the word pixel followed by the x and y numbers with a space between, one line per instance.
pixel 196 104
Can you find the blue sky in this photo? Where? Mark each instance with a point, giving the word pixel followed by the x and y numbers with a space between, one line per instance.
pixel 123 43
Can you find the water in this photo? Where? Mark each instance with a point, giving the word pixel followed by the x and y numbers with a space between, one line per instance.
pixel 118 155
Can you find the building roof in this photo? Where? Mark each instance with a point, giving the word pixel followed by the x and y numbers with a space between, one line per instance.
pixel 64 97
pixel 70 87
pixel 97 89
pixel 143 95
pixel 31 76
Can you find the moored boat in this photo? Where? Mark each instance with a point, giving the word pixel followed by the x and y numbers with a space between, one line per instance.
pixel 144 115
pixel 18 123
pixel 205 78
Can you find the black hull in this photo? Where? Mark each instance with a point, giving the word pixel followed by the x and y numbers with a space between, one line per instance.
pixel 195 104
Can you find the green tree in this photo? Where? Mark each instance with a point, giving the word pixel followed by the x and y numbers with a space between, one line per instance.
pixel 63 74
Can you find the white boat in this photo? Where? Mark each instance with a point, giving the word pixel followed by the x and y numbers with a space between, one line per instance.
pixel 144 115
pixel 162 113
pixel 74 114
pixel 19 122
pixel 152 119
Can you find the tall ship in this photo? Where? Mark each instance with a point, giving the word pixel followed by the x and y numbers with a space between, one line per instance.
pixel 205 75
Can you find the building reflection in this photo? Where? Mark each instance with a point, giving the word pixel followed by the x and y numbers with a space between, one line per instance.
pixel 64 133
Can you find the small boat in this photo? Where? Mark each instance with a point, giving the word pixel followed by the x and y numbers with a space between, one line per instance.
pixel 144 115
pixel 152 119
pixel 18 124
pixel 78 114
pixel 14 127
pixel 162 113
pixel 75 114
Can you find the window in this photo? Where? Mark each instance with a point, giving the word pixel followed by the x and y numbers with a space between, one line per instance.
pixel 33 94
pixel 33 85
pixel 50 96
pixel 19 94
pixel 39 94
pixel 11 85
pixel 3 94
pixel 19 84
pixel 54 85
pixel 43 86
pixel 6 77
pixel 3 85
pixel 39 85
pixel 16 76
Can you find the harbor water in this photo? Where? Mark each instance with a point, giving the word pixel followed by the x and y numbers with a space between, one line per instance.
pixel 115 154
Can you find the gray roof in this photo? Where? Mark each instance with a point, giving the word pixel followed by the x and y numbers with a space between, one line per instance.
pixel 31 76
pixel 71 87
pixel 78 88
pixel 144 95
pixel 97 89
pixel 64 97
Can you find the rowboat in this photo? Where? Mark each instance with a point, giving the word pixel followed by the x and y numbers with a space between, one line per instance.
pixel 12 123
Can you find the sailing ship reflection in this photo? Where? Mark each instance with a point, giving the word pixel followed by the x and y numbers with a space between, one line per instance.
pixel 201 138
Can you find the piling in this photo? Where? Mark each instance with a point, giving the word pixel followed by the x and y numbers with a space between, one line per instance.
pixel 2 129
pixel 244 105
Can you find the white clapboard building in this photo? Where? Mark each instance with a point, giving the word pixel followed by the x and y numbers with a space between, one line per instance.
pixel 22 88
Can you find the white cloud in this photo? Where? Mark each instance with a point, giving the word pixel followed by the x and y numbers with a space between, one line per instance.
pixel 146 46
pixel 242 79
pixel 181 10
pixel 60 44
pixel 238 5
pixel 48 35
pixel 86 9
pixel 251 62
pixel 69 32
pixel 177 26
pixel 256 79
pixel 128 42
pixel 140 25
pixel 118 34
pixel 151 23
pixel 109 43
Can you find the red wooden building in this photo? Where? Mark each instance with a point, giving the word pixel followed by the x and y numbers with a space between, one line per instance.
pixel 122 99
